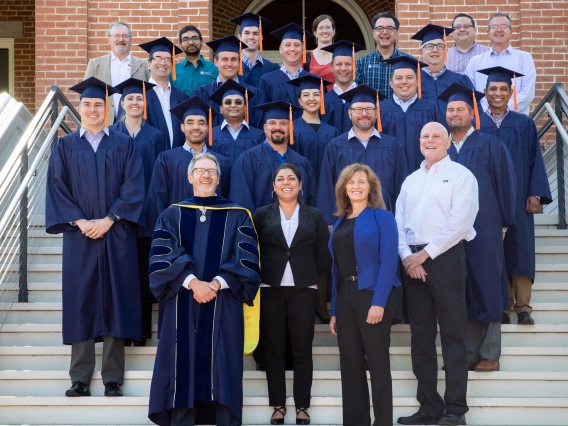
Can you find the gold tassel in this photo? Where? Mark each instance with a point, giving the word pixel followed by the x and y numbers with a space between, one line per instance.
pixel 322 102
pixel 240 58
pixel 476 111
pixel 210 127
pixel 419 76
pixel 353 67
pixel 106 105
pixel 173 62
pixel 304 57
pixel 144 96
pixel 291 126
pixel 445 47
pixel 379 124
pixel 260 34
pixel 516 105
pixel 247 106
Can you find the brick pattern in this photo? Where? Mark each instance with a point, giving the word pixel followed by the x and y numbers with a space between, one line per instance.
pixel 24 48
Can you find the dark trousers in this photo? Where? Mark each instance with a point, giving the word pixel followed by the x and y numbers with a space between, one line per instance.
pixel 144 246
pixel 442 296
pixel 361 343
pixel 297 307
pixel 185 417
pixel 83 361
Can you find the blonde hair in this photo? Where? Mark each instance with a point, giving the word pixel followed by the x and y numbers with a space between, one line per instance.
pixel 342 201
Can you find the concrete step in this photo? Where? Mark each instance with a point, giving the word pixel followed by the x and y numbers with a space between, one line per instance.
pixel 551 237
pixel 324 410
pixel 325 358
pixel 551 254
pixel 545 221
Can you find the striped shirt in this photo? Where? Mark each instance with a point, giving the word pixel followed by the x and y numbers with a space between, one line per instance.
pixel 248 62
pixel 457 60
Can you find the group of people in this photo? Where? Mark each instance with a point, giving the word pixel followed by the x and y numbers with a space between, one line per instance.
pixel 408 185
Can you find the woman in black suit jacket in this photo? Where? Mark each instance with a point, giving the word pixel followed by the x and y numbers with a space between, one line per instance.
pixel 294 257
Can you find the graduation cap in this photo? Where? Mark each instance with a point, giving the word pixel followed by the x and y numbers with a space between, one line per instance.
pixel 162 44
pixel 434 32
pixel 364 93
pixel 231 87
pixel 503 75
pixel 95 88
pixel 311 81
pixel 295 32
pixel 195 106
pixel 229 44
pixel 406 62
pixel 457 92
pixel 344 48
pixel 133 85
pixel 250 19
pixel 280 110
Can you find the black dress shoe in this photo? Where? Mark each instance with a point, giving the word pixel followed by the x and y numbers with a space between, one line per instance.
pixel 141 342
pixel 78 389
pixel 418 418
pixel 505 318
pixel 112 389
pixel 452 419
pixel 525 318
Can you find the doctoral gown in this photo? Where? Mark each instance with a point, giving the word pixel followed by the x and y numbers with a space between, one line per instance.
pixel 200 352
pixel 252 177
pixel 252 77
pixel 406 126
pixel 520 136
pixel 224 144
pixel 384 155
pixel 255 115
pixel 276 88
pixel 312 144
pixel 489 161
pixel 337 112
pixel 101 290
pixel 432 88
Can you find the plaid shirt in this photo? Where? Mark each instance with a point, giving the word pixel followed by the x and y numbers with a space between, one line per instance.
pixel 249 63
pixel 375 73
pixel 289 74
pixel 497 118
pixel 457 61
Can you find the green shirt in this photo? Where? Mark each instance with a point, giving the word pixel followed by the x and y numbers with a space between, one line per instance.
pixel 189 77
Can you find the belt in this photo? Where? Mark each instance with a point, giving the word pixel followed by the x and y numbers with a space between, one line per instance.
pixel 350 279
pixel 417 248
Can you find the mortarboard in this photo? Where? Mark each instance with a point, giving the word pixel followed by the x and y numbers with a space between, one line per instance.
pixel 95 88
pixel 364 93
pixel 133 85
pixel 457 92
pixel 406 62
pixel 434 32
pixel 250 19
pixel 295 32
pixel 195 106
pixel 344 48
pixel 503 75
pixel 231 87
pixel 311 81
pixel 229 44
pixel 162 44
pixel 280 110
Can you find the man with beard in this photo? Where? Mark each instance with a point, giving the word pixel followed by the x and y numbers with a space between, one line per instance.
pixel 362 144
pixel 118 66
pixel 253 172
pixel 194 71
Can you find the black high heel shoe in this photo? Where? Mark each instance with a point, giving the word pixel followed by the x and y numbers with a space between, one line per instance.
pixel 300 421
pixel 282 410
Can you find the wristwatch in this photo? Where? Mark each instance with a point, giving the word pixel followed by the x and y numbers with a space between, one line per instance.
pixel 112 217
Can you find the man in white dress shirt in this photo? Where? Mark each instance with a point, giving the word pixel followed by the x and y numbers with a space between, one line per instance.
pixel 435 211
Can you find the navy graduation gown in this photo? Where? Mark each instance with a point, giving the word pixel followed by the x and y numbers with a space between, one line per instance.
pixel 200 352
pixel 384 155
pixel 489 161
pixel 336 112
pixel 101 290
pixel 275 87
pixel 224 144
pixel 432 88
pixel 406 126
pixel 252 76
pixel 255 115
pixel 312 144
pixel 156 116
pixel 252 177
pixel 169 183
pixel 520 136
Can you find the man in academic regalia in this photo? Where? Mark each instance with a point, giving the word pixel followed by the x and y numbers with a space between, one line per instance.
pixel 250 33
pixel 252 173
pixel 436 77
pixel 406 113
pixel 168 185
pixel 94 197
pixel 490 162
pixel 519 134
pixel 229 63
pixel 164 96
pixel 292 49
pixel 204 271
pixel 365 144
pixel 343 67
pixel 234 135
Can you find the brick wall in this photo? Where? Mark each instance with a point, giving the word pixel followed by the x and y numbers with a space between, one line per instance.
pixel 24 48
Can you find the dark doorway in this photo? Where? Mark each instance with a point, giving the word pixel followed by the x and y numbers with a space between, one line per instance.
pixel 282 12
pixel 4 70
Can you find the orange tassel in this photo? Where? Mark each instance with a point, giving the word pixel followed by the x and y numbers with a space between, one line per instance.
pixel 516 105
pixel 106 105
pixel 246 105
pixel 210 127
pixel 353 67
pixel 144 96
pixel 322 102
pixel 173 62
pixel 476 111
pixel 445 48
pixel 240 58
pixel 304 57
pixel 260 34
pixel 379 124
pixel 419 76
pixel 291 126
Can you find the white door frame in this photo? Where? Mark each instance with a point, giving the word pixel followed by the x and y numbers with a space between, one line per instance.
pixel 8 43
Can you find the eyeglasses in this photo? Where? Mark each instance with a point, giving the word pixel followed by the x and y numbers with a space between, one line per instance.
pixel 383 29
pixel 186 40
pixel 499 27
pixel 430 46
pixel 161 59
pixel 201 172
pixel 463 27
pixel 359 110
pixel 120 36
pixel 229 102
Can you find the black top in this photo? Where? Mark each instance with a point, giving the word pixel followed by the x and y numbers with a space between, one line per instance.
pixel 344 248
pixel 315 126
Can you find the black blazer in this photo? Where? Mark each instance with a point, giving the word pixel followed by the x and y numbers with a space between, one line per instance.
pixel 308 254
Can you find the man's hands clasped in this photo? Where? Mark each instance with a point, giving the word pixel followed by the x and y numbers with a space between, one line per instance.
pixel 96 228
pixel 204 291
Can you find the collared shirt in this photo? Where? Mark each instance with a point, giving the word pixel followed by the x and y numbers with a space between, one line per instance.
pixel 220 82
pixel 435 76
pixel 458 145
pixel 234 133
pixel 94 140
pixel 192 151
pixel 373 71
pixel 281 157
pixel 437 207
pixel 164 97
pixel 458 60
pixel 497 118
pixel 351 134
pixel 189 77
pixel 513 59
pixel 248 62
pixel 339 91
pixel 119 72
pixel 404 104
pixel 289 74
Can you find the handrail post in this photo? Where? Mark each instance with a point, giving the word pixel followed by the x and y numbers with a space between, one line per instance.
pixel 23 281
pixel 560 165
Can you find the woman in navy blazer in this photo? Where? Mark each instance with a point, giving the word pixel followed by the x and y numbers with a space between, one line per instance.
pixel 364 247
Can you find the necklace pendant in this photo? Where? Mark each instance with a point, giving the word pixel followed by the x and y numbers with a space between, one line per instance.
pixel 202 218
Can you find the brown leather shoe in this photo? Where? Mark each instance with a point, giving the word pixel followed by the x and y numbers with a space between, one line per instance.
pixel 471 365
pixel 487 365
